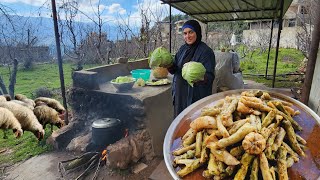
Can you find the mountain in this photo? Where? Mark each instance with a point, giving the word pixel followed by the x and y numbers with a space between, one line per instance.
pixel 40 27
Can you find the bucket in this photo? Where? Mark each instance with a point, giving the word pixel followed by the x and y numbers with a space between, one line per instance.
pixel 141 73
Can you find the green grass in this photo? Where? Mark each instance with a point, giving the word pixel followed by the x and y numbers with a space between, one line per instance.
pixel 289 61
pixel 22 148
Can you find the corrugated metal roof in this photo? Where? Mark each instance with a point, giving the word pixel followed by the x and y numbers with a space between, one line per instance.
pixel 230 10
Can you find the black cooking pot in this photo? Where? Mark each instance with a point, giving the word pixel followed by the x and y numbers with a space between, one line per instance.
pixel 106 131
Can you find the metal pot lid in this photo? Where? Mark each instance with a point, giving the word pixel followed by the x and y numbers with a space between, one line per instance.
pixel 106 123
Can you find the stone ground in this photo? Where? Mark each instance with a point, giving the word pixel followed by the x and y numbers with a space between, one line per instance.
pixel 45 166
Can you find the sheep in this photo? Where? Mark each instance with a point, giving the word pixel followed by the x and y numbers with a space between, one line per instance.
pixel 9 121
pixel 7 96
pixel 51 103
pixel 4 98
pixel 24 98
pixel 47 115
pixel 26 117
pixel 23 104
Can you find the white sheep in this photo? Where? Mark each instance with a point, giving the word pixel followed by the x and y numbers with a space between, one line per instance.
pixel 9 121
pixel 4 98
pixel 24 98
pixel 23 104
pixel 47 115
pixel 26 117
pixel 51 103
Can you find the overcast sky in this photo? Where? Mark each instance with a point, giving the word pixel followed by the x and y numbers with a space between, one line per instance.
pixel 113 10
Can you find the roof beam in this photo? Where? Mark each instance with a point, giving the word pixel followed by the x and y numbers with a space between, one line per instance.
pixel 233 11
pixel 245 1
pixel 219 10
pixel 176 1
pixel 240 19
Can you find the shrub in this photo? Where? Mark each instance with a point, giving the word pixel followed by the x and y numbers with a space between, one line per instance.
pixel 28 64
pixel 42 92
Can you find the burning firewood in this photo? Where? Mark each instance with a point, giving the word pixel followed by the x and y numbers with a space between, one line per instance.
pixel 89 161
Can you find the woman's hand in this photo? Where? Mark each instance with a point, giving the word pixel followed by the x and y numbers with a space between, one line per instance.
pixel 167 65
pixel 201 82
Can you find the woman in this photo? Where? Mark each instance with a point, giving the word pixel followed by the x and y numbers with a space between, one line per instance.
pixel 193 50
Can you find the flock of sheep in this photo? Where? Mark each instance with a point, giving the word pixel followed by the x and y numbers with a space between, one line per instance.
pixel 24 114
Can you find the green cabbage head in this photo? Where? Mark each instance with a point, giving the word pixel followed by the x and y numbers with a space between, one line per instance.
pixel 123 79
pixel 193 71
pixel 160 57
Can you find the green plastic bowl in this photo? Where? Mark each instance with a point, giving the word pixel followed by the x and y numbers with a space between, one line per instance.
pixel 141 73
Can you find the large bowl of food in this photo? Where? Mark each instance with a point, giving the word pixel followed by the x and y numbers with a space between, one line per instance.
pixel 123 83
pixel 244 134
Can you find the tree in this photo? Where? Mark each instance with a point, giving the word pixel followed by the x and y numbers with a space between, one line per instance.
pixel 71 8
pixel 71 31
pixel 31 41
pixel 89 46
pixel 13 73
pixel 177 17
pixel 305 22
pixel 226 29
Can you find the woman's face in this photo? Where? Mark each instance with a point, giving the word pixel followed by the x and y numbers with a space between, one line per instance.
pixel 189 36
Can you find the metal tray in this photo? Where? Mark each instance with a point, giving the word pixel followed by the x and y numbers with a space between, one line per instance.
pixel 307 168
pixel 148 83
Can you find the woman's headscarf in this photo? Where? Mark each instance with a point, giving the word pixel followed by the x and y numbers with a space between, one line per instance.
pixel 195 26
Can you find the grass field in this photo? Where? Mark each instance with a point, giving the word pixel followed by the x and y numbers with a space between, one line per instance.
pixel 15 150
pixel 289 61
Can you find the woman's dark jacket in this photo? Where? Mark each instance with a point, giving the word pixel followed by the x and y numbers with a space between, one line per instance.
pixel 183 94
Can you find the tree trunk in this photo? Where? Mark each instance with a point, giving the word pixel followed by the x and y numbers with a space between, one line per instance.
pixel 13 78
pixel 3 87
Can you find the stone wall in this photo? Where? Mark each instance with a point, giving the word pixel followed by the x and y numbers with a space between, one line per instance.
pixel 37 54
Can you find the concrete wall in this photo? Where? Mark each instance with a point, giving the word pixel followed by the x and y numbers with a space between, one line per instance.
pixel 91 78
pixel 314 99
pixel 288 37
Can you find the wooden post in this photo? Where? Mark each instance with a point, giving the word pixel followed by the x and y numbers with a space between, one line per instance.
pixel 278 44
pixel 270 42
pixel 312 60
pixel 170 26
pixel 57 37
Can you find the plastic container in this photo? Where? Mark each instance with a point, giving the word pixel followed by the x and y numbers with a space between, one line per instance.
pixel 141 73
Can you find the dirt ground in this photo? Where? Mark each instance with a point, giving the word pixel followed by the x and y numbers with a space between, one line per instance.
pixel 45 166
